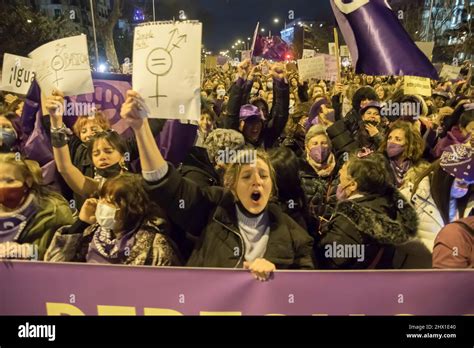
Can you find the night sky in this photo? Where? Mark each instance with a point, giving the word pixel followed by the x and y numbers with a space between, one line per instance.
pixel 226 21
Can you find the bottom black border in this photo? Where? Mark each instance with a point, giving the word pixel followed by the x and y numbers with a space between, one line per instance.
pixel 291 331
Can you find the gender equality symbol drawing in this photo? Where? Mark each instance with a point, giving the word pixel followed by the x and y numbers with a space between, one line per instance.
pixel 160 61
pixel 57 63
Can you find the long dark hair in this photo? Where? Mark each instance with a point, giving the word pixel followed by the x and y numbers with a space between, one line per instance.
pixel 112 137
pixel 440 189
pixel 288 182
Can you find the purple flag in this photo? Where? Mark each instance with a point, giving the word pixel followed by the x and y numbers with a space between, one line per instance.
pixel 378 43
pixel 273 48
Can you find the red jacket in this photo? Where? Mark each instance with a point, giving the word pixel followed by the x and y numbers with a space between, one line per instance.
pixel 454 246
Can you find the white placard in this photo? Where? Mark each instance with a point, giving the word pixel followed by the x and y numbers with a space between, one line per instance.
pixel 322 66
pixel 17 74
pixel 450 72
pixel 308 53
pixel 344 51
pixel 417 85
pixel 311 68
pixel 245 55
pixel 167 64
pixel 64 65
pixel 332 48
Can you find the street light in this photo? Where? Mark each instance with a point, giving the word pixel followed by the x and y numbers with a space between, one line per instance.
pixel 29 20
pixel 276 20
pixel 262 30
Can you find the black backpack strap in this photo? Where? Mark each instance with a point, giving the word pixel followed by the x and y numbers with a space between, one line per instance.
pixel 466 227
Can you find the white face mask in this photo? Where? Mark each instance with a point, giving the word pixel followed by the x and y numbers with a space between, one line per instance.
pixel 220 92
pixel 270 85
pixel 105 216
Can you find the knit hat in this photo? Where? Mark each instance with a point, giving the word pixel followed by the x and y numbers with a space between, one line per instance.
pixel 223 140
pixel 458 161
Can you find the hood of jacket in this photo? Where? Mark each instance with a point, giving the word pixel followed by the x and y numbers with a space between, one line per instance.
pixel 389 219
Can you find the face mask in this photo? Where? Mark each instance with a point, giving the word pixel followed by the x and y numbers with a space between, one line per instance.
pixel 319 154
pixel 341 194
pixel 394 150
pixel 270 85
pixel 110 171
pixel 221 93
pixel 458 192
pixel 7 138
pixel 105 215
pixel 253 91
pixel 11 197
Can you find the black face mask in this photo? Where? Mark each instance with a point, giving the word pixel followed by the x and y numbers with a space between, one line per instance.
pixel 110 171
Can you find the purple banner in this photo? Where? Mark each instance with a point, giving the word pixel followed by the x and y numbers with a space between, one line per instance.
pixel 37 288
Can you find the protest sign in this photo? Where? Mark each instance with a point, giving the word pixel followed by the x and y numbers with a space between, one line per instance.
pixel 417 85
pixel 166 58
pixel 344 51
pixel 308 53
pixel 332 48
pixel 322 66
pixel 17 74
pixel 64 65
pixel 211 62
pixel 450 72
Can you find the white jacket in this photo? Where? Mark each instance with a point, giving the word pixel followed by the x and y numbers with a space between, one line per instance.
pixel 428 213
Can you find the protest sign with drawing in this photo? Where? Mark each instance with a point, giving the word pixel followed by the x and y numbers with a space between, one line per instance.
pixel 63 64
pixel 167 57
pixel 17 74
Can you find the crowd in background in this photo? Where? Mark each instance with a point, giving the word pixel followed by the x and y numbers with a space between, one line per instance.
pixel 285 173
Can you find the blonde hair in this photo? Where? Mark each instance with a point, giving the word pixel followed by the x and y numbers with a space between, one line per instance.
pixel 233 170
pixel 31 170
pixel 98 117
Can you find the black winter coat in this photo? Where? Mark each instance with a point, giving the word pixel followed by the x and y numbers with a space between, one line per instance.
pixel 198 168
pixel 385 225
pixel 277 119
pixel 210 214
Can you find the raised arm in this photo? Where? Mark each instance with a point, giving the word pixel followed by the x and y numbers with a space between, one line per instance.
pixel 79 184
pixel 183 200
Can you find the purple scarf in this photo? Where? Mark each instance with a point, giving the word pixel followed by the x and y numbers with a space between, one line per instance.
pixel 105 248
pixel 400 170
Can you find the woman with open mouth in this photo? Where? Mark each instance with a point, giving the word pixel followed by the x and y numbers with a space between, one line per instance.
pixel 236 226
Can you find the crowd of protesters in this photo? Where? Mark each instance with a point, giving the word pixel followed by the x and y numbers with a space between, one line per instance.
pixel 285 173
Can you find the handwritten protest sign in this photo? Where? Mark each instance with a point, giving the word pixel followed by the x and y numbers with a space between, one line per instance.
pixel 17 74
pixel 308 53
pixel 322 66
pixel 344 51
pixel 450 72
pixel 211 62
pixel 166 58
pixel 417 85
pixel 63 64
